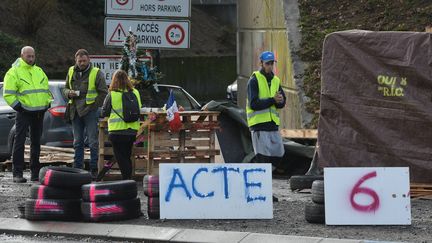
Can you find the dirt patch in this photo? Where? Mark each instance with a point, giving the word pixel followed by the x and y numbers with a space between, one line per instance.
pixel 288 217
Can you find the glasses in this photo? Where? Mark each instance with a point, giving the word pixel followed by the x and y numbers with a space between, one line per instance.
pixel 269 63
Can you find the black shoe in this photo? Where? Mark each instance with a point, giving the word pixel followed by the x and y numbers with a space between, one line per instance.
pixel 19 179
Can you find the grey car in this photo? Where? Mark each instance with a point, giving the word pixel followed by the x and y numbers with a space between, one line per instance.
pixel 56 131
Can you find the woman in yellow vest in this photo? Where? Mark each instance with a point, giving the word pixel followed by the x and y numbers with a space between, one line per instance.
pixel 121 134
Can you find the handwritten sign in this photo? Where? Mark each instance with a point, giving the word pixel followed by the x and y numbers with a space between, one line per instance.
pixel 215 191
pixel 367 196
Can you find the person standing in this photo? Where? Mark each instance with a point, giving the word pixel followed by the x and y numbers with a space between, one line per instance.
pixel 86 90
pixel 265 97
pixel 121 134
pixel 26 90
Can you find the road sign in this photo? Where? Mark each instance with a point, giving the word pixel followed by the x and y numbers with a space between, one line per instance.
pixel 150 33
pixel 110 63
pixel 155 8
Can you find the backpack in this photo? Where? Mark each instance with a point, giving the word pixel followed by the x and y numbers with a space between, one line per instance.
pixel 131 109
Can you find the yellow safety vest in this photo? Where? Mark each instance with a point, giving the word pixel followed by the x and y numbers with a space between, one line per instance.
pixel 91 89
pixel 116 123
pixel 28 85
pixel 264 92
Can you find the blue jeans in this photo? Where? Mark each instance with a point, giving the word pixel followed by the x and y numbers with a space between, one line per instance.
pixel 79 125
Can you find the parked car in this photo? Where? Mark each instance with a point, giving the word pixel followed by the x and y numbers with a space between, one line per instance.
pixel 56 132
pixel 157 95
pixel 232 92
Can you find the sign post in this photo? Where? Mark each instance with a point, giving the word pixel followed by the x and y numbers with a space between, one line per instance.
pixel 157 34
pixel 148 8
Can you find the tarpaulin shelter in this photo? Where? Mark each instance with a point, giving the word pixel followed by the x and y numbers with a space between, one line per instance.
pixel 376 101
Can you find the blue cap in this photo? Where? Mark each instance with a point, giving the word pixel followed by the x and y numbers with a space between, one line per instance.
pixel 267 56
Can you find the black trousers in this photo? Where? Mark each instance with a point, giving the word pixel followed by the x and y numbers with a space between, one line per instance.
pixel 122 146
pixel 24 121
pixel 275 161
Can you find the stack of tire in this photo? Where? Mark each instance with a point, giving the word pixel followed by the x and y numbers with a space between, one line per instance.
pixel 110 201
pixel 151 190
pixel 315 210
pixel 58 196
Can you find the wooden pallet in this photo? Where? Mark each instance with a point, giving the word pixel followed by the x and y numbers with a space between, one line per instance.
pixel 423 191
pixel 299 133
pixel 195 142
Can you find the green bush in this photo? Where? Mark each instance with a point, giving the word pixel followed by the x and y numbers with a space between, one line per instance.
pixel 9 51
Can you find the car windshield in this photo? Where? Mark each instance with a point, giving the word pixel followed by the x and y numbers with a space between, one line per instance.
pixel 151 98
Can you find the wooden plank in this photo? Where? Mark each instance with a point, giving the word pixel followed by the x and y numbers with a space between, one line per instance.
pixel 299 133
pixel 199 143
pixel 179 153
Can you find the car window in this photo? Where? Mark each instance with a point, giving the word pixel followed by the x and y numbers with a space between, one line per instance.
pixel 2 101
pixel 151 98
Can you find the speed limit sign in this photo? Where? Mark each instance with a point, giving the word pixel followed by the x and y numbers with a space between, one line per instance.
pixel 122 4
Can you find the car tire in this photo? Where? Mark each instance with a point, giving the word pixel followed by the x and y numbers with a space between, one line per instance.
pixel 64 177
pixel 315 213
pixel 318 192
pixel 48 192
pixel 153 208
pixel 151 185
pixel 303 182
pixel 109 191
pixel 53 209
pixel 111 211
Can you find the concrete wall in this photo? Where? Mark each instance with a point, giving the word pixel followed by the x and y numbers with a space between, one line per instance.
pixel 261 27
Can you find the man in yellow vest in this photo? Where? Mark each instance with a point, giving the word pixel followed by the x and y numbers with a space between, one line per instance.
pixel 265 98
pixel 26 90
pixel 85 89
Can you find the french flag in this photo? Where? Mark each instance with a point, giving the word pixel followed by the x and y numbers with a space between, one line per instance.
pixel 172 113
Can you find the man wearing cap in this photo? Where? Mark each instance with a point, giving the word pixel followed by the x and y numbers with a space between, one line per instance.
pixel 265 97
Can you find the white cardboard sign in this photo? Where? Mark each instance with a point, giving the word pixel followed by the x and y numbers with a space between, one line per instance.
pixel 215 191
pixel 155 8
pixel 150 33
pixel 109 64
pixel 367 196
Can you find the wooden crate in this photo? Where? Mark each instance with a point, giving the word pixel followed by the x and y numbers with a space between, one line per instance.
pixel 195 142
pixel 423 191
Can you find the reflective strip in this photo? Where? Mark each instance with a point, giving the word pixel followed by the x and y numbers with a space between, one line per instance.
pixel 8 91
pixel 274 112
pixel 90 98
pixel 14 103
pixel 250 115
pixel 91 92
pixel 33 91
pixel 118 111
pixel 36 108
pixel 114 120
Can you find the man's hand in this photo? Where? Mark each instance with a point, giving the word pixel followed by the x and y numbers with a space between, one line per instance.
pixel 278 98
pixel 72 94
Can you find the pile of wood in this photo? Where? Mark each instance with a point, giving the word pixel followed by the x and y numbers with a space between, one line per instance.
pixel 423 191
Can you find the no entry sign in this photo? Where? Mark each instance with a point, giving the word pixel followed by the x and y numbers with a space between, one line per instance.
pixel 155 8
pixel 150 33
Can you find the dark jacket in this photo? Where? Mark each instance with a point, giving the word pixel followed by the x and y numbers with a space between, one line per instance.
pixel 260 104
pixel 80 81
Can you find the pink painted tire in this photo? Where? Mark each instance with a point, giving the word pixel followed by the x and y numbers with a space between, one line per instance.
pixel 151 185
pixel 53 209
pixel 64 177
pixel 48 192
pixel 111 211
pixel 153 208
pixel 109 191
